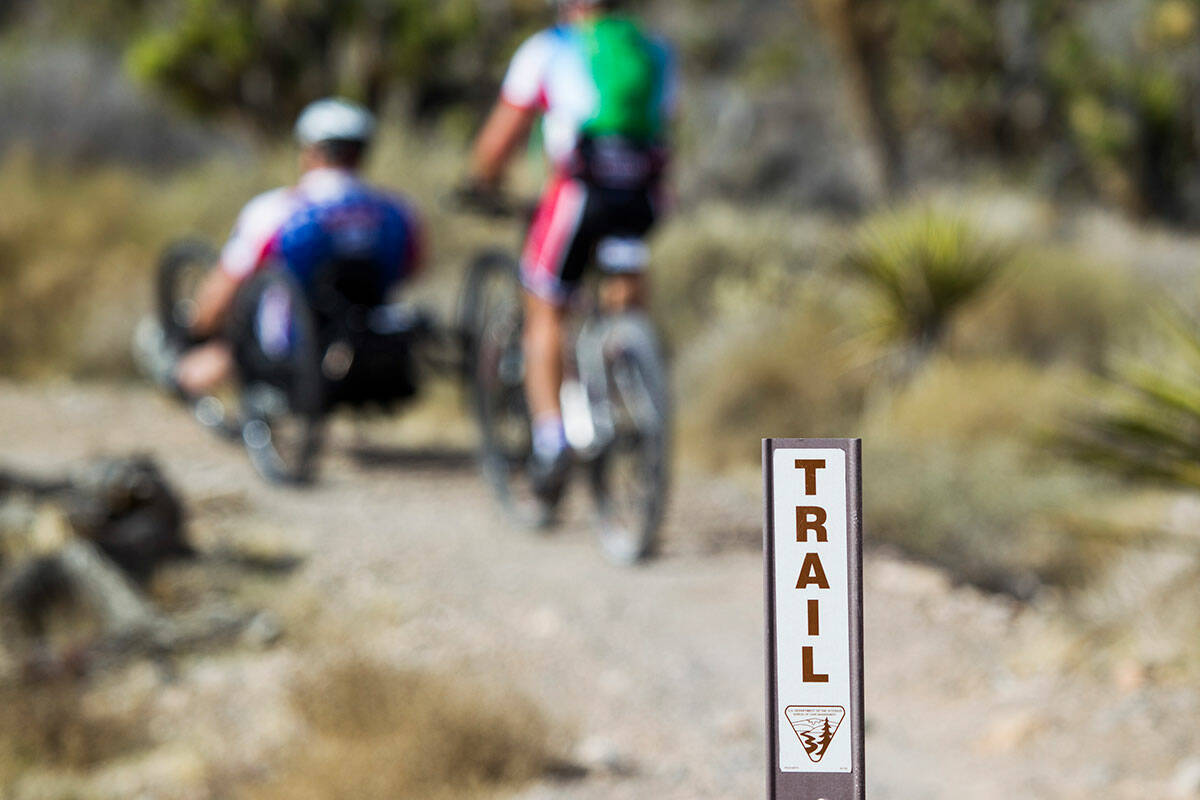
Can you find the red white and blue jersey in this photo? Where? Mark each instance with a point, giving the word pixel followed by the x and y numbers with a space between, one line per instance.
pixel 550 73
pixel 330 215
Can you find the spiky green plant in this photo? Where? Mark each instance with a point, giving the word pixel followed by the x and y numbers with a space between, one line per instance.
pixel 1148 427
pixel 921 265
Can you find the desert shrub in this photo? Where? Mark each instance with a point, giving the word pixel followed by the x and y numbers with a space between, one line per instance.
pixel 1054 306
pixel 718 258
pixel 381 733
pixel 78 252
pixel 1147 426
pixel 78 249
pixel 49 725
pixel 954 478
pixel 784 369
pixel 966 401
pixel 920 266
pixel 982 514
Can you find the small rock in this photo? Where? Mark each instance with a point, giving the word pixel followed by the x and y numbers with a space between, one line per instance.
pixel 263 631
pixel 50 532
pixel 1130 675
pixel 1011 732
pixel 1186 783
pixel 599 755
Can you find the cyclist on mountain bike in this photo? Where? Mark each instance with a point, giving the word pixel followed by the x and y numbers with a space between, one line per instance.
pixel 605 90
pixel 329 215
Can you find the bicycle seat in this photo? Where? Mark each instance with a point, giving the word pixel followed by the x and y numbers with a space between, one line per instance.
pixel 341 286
pixel 618 254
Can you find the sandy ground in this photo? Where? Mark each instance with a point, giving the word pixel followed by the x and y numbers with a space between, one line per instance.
pixel 659 669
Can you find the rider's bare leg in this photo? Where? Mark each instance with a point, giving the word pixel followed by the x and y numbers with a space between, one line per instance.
pixel 543 346
pixel 203 369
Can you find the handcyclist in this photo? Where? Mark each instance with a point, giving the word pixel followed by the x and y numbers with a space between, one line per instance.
pixel 604 88
pixel 328 216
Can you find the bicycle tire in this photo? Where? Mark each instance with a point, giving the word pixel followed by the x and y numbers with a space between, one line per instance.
pixel 180 268
pixel 282 394
pixel 629 518
pixel 491 323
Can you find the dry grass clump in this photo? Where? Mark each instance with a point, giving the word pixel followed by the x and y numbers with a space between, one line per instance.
pixel 78 248
pixel 77 252
pixel 966 401
pixel 790 370
pixel 48 725
pixel 380 733
pixel 1055 306
pixel 954 476
pixel 988 515
pixel 717 259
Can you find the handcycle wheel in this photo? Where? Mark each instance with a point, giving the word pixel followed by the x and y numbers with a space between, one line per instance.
pixel 630 476
pixel 278 360
pixel 181 269
pixel 491 320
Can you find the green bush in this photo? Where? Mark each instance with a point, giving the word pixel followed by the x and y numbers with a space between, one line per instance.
pixel 920 266
pixel 1148 425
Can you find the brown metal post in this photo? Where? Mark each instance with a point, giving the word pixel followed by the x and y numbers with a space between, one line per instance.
pixel 812 544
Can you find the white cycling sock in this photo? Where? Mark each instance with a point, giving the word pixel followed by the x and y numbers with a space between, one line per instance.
pixel 549 436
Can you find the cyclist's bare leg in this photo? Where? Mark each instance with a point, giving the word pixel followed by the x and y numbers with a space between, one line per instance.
pixel 205 368
pixel 543 346
pixel 623 292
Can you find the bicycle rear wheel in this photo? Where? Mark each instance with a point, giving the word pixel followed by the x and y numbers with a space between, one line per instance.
pixel 630 476
pixel 492 321
pixel 279 369
pixel 181 269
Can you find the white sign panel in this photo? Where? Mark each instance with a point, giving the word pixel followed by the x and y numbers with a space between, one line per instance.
pixel 812 607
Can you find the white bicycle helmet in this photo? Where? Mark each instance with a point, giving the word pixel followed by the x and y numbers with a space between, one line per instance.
pixel 334 120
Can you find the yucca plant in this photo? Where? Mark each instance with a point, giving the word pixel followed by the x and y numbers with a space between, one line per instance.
pixel 1148 427
pixel 921 265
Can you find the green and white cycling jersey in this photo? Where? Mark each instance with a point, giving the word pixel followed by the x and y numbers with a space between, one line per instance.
pixel 604 78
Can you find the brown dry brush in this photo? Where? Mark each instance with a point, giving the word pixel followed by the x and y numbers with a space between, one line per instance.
pixel 377 732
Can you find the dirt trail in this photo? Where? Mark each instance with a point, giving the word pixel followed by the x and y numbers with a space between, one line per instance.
pixel 658 667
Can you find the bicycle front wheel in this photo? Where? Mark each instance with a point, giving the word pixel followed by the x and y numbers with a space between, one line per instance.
pixel 182 268
pixel 279 369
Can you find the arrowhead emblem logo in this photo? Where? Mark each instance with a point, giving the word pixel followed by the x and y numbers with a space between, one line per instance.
pixel 816 726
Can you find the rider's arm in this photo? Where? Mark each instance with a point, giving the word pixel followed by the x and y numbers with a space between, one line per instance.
pixel 522 98
pixel 244 253
pixel 505 130
pixel 213 302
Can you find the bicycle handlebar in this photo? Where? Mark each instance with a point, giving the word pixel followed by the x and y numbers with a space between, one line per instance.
pixel 489 203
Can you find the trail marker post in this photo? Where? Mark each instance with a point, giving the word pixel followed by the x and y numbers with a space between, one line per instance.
pixel 812 536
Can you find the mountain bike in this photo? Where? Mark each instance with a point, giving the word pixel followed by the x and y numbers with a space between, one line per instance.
pixel 615 405
pixel 301 353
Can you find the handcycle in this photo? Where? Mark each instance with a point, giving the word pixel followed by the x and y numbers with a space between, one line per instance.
pixel 300 353
pixel 615 399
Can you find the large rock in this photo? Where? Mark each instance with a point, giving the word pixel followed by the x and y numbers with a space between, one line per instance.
pixel 87 541
pixel 122 505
